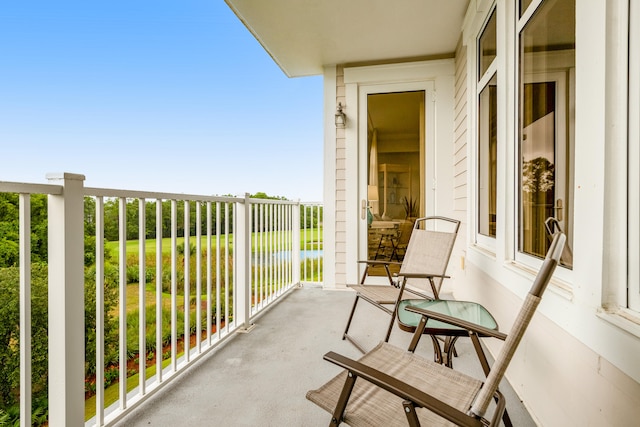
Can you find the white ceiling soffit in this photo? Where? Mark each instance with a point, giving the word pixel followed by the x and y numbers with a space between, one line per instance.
pixel 304 35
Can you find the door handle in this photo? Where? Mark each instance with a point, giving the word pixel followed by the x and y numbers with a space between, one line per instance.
pixel 558 209
pixel 364 209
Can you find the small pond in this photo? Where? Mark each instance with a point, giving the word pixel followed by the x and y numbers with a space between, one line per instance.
pixel 304 254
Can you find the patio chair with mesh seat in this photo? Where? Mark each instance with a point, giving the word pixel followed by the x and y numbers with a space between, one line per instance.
pixel 389 386
pixel 422 270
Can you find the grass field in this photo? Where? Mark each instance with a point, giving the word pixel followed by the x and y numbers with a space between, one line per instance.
pixel 310 237
pixel 133 296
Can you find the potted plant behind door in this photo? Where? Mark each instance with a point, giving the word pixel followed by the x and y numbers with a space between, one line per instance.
pixel 410 207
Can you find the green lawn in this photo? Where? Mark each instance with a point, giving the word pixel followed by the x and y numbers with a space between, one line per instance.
pixel 150 244
pixel 133 295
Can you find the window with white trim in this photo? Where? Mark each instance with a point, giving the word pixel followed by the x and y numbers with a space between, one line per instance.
pixel 633 288
pixel 487 128
pixel 546 119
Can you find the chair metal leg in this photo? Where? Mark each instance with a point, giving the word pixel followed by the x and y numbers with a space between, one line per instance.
pixel 338 412
pixel 434 288
pixel 417 334
pixel 345 335
pixel 386 269
pixel 393 318
pixel 394 313
pixel 364 275
pixel 353 309
pixel 410 412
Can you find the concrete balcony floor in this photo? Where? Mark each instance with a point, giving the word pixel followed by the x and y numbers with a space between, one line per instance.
pixel 260 378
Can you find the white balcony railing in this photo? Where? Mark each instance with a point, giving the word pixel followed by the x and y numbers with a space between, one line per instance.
pixel 216 263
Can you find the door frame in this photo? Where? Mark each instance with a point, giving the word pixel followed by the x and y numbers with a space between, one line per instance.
pixel 427 153
pixel 360 82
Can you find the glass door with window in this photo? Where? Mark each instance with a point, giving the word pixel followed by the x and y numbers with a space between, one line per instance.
pixel 395 144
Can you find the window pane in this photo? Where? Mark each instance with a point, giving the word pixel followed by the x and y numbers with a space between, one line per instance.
pixel 487 158
pixel 547 61
pixel 524 4
pixel 487 45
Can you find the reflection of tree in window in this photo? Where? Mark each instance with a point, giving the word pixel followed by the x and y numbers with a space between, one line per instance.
pixel 537 176
pixel 538 158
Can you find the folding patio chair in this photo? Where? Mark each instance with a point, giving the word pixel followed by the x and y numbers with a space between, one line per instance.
pixel 389 386
pixel 425 263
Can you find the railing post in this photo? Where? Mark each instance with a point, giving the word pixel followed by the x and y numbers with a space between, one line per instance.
pixel 25 309
pixel 243 248
pixel 296 244
pixel 66 301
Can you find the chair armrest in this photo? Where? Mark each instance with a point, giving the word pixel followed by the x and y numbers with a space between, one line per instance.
pixel 424 275
pixel 381 262
pixel 472 327
pixel 402 389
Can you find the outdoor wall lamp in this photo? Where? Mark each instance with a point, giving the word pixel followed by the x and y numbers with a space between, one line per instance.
pixel 341 118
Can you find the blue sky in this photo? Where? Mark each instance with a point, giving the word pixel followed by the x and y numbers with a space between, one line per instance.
pixel 173 96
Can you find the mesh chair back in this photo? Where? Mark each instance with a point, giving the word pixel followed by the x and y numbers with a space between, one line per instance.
pixel 481 403
pixel 429 251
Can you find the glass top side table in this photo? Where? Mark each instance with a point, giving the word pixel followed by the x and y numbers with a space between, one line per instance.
pixel 468 311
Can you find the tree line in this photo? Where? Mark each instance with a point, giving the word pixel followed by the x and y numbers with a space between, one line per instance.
pixel 9 217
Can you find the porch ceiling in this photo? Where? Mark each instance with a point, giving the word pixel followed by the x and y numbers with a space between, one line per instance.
pixel 304 35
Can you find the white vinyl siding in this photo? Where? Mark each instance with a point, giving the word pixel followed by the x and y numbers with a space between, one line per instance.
pixel 460 132
pixel 341 187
